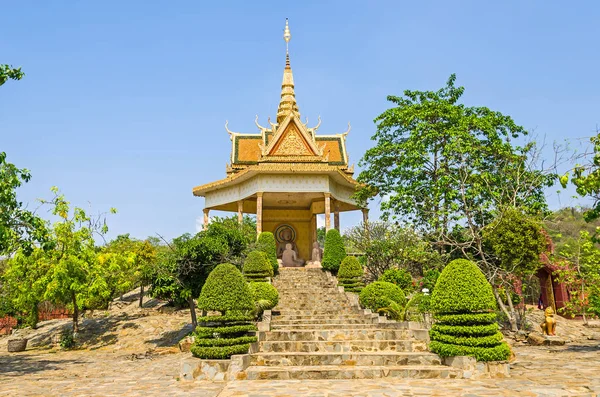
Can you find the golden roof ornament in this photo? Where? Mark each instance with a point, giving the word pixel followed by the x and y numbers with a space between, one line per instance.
pixel 287 36
pixel 287 104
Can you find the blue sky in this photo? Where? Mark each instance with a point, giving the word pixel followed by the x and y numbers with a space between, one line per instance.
pixel 124 102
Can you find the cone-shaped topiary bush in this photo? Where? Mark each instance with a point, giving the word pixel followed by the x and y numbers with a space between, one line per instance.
pixel 265 292
pixel 400 277
pixel 220 337
pixel 381 294
pixel 266 243
pixel 225 290
pixel 350 275
pixel 463 304
pixel 333 252
pixel 257 267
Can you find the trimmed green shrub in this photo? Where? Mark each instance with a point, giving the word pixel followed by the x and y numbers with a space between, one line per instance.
pixel 334 251
pixel 257 267
pixel 400 277
pixel 219 352
pixel 462 288
pixel 225 290
pixel 463 304
pixel 218 342
pixel 229 318
pixel 266 243
pixel 466 318
pixel 265 291
pixel 224 331
pixel 380 294
pixel 350 274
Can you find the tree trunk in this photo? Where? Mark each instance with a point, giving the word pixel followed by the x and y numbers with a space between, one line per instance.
pixel 193 311
pixel 511 320
pixel 512 310
pixel 141 294
pixel 75 313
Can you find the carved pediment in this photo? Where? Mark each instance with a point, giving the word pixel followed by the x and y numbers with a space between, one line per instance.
pixel 292 139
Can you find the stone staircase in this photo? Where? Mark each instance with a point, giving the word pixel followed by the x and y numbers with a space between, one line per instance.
pixel 318 333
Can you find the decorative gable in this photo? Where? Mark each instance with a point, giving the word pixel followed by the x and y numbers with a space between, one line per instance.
pixel 291 143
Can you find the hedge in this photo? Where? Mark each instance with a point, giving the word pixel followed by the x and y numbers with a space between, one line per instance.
pixel 231 317
pixel 400 277
pixel 380 294
pixel 333 252
pixel 266 243
pixel 466 318
pixel 218 352
pixel 500 352
pixel 257 267
pixel 225 341
pixel 265 291
pixel 487 329
pixel 218 342
pixel 225 290
pixel 463 304
pixel 205 332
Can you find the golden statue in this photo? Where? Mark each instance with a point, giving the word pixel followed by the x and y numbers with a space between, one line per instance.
pixel 549 324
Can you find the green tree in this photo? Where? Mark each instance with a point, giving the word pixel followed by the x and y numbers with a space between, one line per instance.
pixel 74 274
pixel 24 282
pixel 19 227
pixel 388 246
pixel 450 170
pixel 587 180
pixel 266 243
pixel 334 251
pixel 8 72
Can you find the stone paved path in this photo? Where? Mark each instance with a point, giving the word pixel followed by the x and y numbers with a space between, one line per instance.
pixel 558 371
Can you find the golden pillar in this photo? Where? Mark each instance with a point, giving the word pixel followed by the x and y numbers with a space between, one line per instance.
pixel 240 212
pixel 259 210
pixel 206 211
pixel 327 211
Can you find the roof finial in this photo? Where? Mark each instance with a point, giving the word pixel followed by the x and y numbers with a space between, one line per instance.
pixel 287 36
pixel 287 104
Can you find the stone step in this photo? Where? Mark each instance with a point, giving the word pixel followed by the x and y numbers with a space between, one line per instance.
pixel 351 372
pixel 336 334
pixel 293 323
pixel 344 346
pixel 321 326
pixel 312 312
pixel 350 358
pixel 356 319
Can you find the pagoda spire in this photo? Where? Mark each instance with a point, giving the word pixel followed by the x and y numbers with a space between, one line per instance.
pixel 287 103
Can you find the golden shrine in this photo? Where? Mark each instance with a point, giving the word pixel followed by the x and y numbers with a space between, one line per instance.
pixel 286 174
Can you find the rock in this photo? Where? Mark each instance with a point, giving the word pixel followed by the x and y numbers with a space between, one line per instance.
pixel 536 339
pixel 186 343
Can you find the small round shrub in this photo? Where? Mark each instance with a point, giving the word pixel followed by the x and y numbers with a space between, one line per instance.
pixel 400 277
pixel 350 268
pixel 265 291
pixel 266 243
pixel 257 267
pixel 333 252
pixel 225 290
pixel 462 288
pixel 350 274
pixel 380 294
pixel 463 304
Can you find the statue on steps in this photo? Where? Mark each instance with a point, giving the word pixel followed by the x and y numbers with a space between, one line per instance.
pixel 289 257
pixel 317 255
